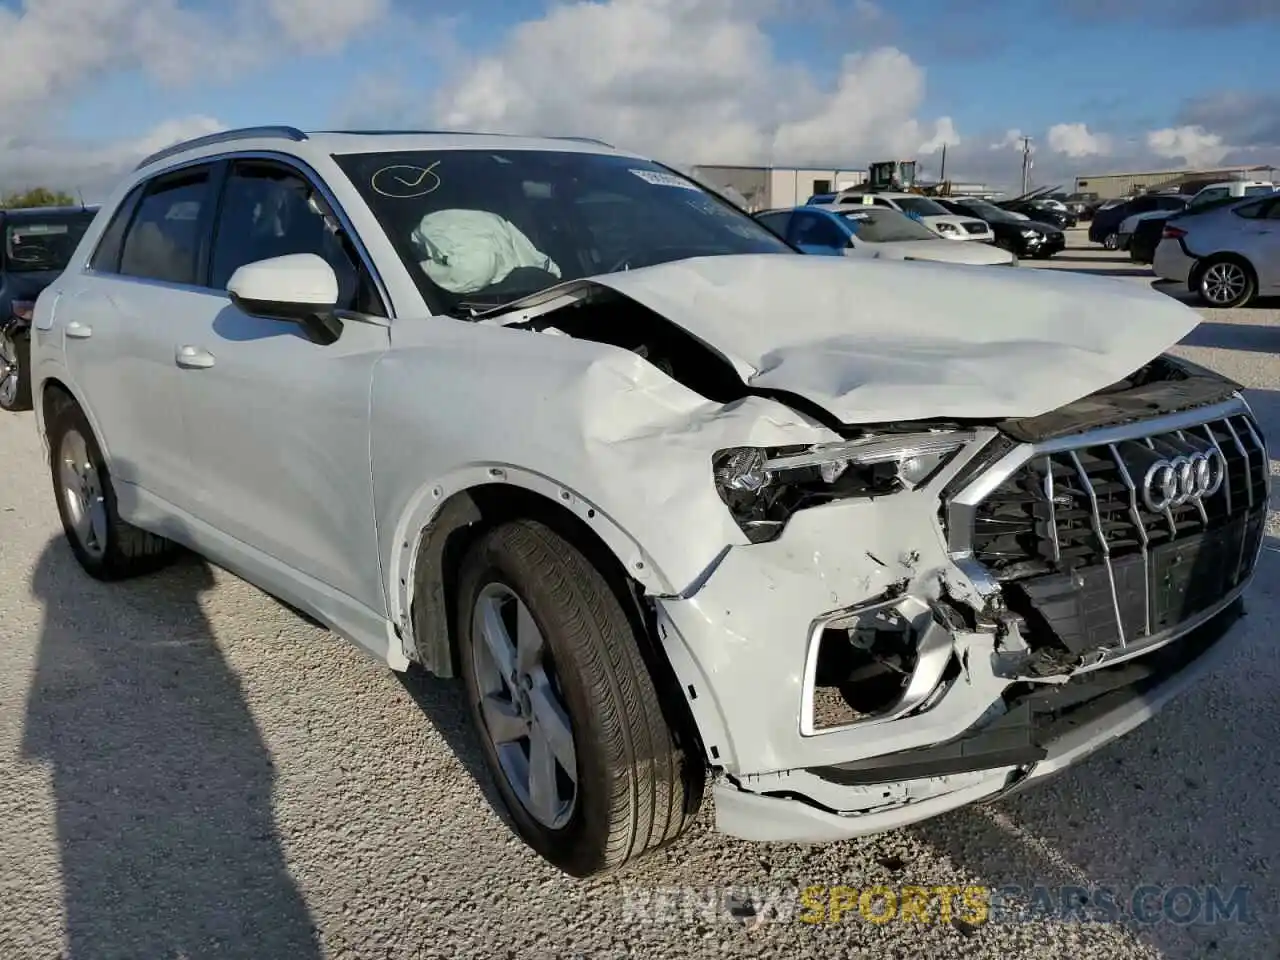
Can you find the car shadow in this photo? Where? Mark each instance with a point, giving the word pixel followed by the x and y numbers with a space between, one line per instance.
pixel 444 706
pixel 1255 338
pixel 161 781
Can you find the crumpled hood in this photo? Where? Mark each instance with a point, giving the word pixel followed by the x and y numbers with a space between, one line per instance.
pixel 877 341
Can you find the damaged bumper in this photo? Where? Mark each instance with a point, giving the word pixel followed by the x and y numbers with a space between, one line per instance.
pixel 888 660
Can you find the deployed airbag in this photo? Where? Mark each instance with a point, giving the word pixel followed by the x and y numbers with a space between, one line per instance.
pixel 469 250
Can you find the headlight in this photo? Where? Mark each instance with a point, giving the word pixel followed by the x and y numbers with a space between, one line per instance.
pixel 1030 234
pixel 763 487
pixel 946 228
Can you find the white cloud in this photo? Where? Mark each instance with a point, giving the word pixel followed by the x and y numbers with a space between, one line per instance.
pixel 1193 144
pixel 325 25
pixel 91 169
pixel 693 81
pixel 944 134
pixel 1076 140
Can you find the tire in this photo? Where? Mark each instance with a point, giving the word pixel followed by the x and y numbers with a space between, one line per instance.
pixel 1111 241
pixel 634 791
pixel 15 372
pixel 105 546
pixel 1224 282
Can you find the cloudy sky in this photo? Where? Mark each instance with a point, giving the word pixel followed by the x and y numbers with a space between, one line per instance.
pixel 1100 85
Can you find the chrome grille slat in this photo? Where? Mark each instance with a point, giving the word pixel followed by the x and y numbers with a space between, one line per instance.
pixel 1053 510
pixel 1136 514
pixel 1087 483
pixel 1248 474
pixel 1226 467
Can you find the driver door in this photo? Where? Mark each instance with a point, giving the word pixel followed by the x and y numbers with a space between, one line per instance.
pixel 817 233
pixel 278 425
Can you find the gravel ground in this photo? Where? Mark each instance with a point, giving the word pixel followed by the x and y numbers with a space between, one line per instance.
pixel 191 771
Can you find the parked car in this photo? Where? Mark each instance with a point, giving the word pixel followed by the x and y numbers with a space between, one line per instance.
pixel 928 211
pixel 1037 211
pixel 1021 236
pixel 1083 204
pixel 1231 190
pixel 1227 255
pixel 38 242
pixel 876 232
pixel 675 500
pixel 1147 234
pixel 1129 225
pixel 1105 226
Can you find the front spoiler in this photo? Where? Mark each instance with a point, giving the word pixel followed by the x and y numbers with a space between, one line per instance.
pixel 794 818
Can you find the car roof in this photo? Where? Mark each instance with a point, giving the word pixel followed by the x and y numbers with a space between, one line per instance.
pixel 341 142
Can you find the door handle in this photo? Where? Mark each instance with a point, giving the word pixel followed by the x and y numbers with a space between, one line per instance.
pixel 193 358
pixel 79 331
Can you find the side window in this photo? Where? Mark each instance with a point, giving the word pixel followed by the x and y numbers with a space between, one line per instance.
pixel 106 257
pixel 163 241
pixel 1273 211
pixel 777 222
pixel 266 211
pixel 881 202
pixel 816 230
pixel 1141 205
pixel 1209 196
pixel 1259 210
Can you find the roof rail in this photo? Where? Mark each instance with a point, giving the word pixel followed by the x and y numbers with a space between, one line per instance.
pixel 586 140
pixel 224 136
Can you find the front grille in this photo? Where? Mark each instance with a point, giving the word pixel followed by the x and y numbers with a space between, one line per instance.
pixel 1086 562
pixel 975 227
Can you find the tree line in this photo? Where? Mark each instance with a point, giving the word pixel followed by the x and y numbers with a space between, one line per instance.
pixel 37 197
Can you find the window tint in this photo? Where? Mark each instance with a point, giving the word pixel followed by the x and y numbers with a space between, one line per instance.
pixel 777 222
pixel 106 258
pixel 1142 205
pixel 1258 210
pixel 266 212
pixel 163 242
pixel 1273 211
pixel 1171 203
pixel 816 230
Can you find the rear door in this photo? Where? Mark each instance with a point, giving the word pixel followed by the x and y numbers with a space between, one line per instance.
pixel 117 323
pixel 1257 226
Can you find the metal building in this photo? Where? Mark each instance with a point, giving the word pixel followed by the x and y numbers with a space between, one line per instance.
pixel 1109 186
pixel 768 187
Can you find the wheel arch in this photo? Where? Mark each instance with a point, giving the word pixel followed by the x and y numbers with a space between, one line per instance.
pixel 53 392
pixel 427 583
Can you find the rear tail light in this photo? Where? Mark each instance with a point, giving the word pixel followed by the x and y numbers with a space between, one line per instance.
pixel 22 309
pixel 1173 233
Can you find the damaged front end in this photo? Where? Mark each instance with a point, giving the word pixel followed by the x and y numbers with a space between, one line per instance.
pixel 909 649
pixel 925 612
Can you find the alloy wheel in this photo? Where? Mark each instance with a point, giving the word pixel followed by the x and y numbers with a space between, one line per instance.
pixel 1224 282
pixel 10 372
pixel 82 494
pixel 522 706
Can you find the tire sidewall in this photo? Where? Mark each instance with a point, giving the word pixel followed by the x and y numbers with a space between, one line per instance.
pixel 69 416
pixel 22 354
pixel 571 846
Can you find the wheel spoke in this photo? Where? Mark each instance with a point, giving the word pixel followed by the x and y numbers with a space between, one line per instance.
pixel 544 799
pixel 503 720
pixel 493 630
pixel 97 510
pixel 528 640
pixel 551 725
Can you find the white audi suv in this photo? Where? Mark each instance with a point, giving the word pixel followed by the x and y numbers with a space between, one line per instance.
pixel 856 542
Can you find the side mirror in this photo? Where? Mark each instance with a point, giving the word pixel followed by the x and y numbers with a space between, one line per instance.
pixel 299 288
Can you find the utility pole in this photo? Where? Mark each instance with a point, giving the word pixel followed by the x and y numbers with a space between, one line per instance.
pixel 1026 164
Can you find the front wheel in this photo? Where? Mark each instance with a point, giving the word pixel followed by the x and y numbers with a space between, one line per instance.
pixel 569 718
pixel 106 547
pixel 15 374
pixel 1225 283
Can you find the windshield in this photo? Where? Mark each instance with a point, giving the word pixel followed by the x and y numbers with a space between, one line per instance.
pixel 922 206
pixel 482 228
pixel 987 211
pixel 882 225
pixel 44 243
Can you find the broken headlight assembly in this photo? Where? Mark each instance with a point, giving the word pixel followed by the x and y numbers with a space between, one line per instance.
pixel 764 486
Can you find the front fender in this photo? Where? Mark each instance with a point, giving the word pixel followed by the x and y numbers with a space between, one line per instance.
pixel 594 428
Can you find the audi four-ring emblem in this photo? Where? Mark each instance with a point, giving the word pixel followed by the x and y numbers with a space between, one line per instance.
pixel 1183 479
